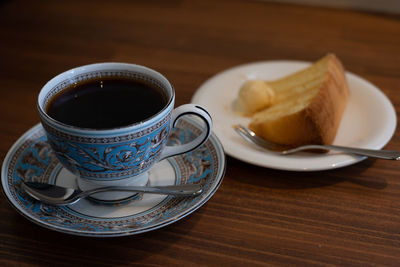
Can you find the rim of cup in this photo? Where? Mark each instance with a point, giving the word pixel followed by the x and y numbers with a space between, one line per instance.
pixel 67 77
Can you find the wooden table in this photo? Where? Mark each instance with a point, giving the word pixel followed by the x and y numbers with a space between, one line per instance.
pixel 259 216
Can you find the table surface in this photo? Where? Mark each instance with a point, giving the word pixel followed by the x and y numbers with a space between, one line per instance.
pixel 259 216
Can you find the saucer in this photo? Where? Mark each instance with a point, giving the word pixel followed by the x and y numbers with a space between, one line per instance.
pixel 31 158
pixel 369 119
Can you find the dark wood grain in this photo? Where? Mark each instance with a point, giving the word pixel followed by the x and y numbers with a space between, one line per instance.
pixel 259 216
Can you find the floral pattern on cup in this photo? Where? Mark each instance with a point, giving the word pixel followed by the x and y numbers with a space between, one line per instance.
pixel 110 160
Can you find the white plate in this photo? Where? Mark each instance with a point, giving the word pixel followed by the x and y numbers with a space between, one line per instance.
pixel 369 120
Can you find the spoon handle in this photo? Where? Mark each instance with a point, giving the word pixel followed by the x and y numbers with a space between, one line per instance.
pixel 374 153
pixel 177 190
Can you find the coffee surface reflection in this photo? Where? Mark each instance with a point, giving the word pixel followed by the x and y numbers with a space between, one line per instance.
pixel 106 103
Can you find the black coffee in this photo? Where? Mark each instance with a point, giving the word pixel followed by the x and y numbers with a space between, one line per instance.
pixel 106 103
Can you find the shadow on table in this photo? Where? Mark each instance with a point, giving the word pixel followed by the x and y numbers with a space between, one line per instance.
pixel 271 178
pixel 48 247
pixel 138 248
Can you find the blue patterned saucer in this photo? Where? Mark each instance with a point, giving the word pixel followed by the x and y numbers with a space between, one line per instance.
pixel 31 158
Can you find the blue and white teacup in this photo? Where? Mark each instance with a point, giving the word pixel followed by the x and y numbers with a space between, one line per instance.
pixel 120 156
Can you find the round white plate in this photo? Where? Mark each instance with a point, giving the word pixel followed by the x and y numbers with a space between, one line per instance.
pixel 369 120
pixel 31 159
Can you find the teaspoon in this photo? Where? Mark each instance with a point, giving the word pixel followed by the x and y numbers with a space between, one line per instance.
pixel 57 195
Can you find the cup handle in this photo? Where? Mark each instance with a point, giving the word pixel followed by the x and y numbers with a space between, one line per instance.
pixel 188 109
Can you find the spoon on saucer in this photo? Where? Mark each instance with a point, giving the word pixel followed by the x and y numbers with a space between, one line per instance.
pixel 251 137
pixel 57 195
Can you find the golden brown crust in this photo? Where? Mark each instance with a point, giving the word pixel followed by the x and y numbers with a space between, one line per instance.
pixel 318 122
pixel 327 107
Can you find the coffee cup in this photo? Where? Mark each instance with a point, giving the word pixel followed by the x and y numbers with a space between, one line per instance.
pixel 108 123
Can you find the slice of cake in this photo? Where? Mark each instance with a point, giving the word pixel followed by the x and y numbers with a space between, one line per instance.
pixel 308 105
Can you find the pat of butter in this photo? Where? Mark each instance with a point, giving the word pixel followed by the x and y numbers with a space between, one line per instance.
pixel 255 95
